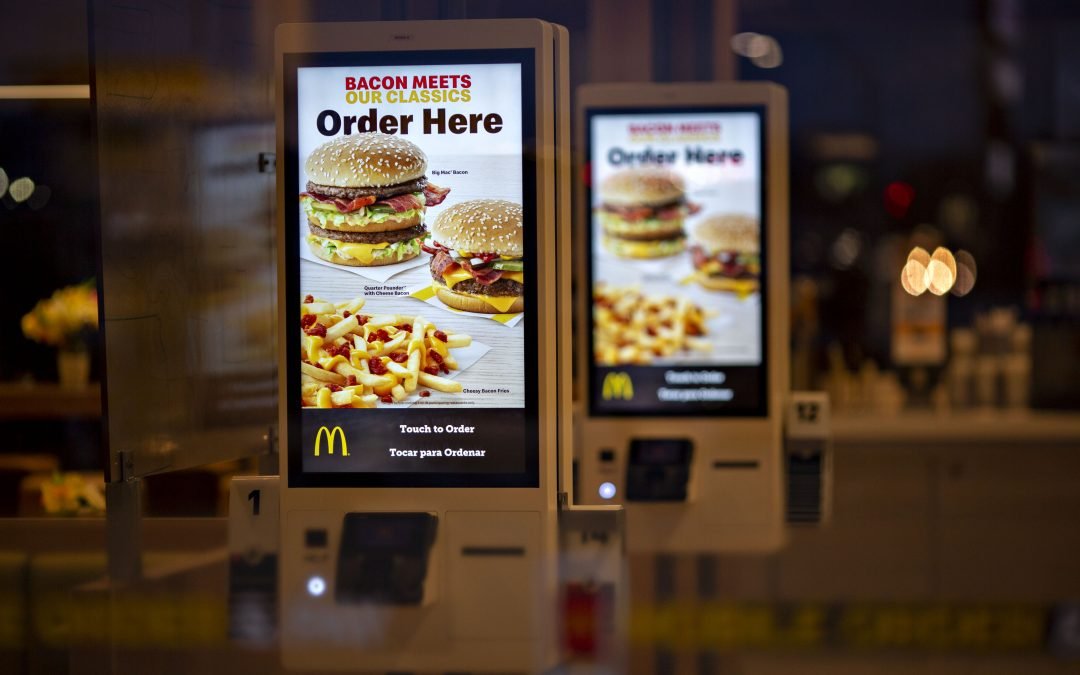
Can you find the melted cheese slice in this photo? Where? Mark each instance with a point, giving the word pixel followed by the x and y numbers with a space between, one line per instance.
pixel 361 252
pixel 646 249
pixel 459 274
pixel 451 278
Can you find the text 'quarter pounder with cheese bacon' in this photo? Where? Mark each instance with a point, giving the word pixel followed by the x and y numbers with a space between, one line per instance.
pixel 365 200
pixel 477 256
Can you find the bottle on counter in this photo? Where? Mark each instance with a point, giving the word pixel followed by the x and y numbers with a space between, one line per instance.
pixel 960 377
pixel 1017 367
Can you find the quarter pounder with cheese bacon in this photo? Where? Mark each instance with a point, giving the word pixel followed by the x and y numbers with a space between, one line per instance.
pixel 366 198
pixel 726 251
pixel 477 260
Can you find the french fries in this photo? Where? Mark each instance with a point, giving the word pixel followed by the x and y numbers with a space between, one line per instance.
pixel 630 327
pixel 353 360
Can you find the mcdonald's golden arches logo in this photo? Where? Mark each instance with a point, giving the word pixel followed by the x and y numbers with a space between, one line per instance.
pixel 618 385
pixel 331 440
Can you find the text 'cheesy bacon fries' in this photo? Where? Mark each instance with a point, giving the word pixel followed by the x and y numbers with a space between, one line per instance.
pixel 630 327
pixel 353 360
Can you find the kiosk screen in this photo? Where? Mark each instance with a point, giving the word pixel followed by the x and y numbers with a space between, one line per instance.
pixel 676 257
pixel 410 251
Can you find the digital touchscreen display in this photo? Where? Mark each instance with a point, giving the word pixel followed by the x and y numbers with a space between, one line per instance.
pixel 676 253
pixel 410 235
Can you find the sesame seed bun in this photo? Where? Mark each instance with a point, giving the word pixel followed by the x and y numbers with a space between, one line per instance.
pixel 642 187
pixel 365 160
pixel 729 232
pixel 481 226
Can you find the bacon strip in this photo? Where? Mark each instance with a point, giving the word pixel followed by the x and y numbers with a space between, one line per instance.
pixel 629 213
pixel 345 206
pixel 401 203
pixel 485 276
pixel 434 195
pixel 635 213
pixel 489 278
pixel 440 263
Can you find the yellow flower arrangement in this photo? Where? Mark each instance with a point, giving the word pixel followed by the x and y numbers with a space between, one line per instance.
pixel 70 494
pixel 64 319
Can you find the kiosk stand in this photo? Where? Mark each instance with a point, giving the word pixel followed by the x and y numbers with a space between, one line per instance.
pixel 419 207
pixel 683 312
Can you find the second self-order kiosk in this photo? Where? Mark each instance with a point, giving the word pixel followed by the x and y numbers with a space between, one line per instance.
pixel 419 205
pixel 682 311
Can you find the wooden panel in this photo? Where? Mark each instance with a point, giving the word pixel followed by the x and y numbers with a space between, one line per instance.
pixel 882 559
pixel 1010 481
pixel 1008 559
pixel 885 484
pixel 620 41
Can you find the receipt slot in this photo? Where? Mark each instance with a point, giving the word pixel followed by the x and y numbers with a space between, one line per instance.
pixel 419 201
pixel 682 309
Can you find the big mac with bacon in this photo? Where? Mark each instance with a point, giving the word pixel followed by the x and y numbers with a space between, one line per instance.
pixel 642 212
pixel 477 256
pixel 365 200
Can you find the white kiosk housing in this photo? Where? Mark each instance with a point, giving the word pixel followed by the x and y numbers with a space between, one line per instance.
pixel 417 177
pixel 683 311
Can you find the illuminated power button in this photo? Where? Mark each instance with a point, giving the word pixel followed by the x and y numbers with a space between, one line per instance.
pixel 316 586
pixel 607 490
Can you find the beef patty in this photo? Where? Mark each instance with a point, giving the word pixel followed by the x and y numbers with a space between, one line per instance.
pixel 503 288
pixel 369 237
pixel 378 192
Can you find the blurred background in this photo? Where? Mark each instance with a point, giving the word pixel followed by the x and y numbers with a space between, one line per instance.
pixel 131 168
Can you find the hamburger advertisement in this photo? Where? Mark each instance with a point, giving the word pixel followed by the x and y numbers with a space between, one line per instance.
pixel 412 243
pixel 675 261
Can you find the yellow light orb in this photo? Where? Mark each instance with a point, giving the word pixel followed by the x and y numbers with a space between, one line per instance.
pixel 919 253
pixel 915 277
pixel 939 278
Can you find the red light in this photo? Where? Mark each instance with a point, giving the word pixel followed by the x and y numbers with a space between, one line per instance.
pixel 898 198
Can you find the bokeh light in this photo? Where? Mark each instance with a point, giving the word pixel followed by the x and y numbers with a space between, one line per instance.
pixel 773 56
pixel 915 278
pixel 938 273
pixel 21 189
pixel 762 50
pixel 3 182
pixel 898 198
pixel 846 249
pixel 749 44
pixel 942 271
pixel 966 273
pixel 40 198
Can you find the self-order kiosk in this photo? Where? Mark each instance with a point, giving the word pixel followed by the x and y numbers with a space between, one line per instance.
pixel 418 202
pixel 682 311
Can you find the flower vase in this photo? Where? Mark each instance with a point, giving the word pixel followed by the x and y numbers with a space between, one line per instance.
pixel 73 367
